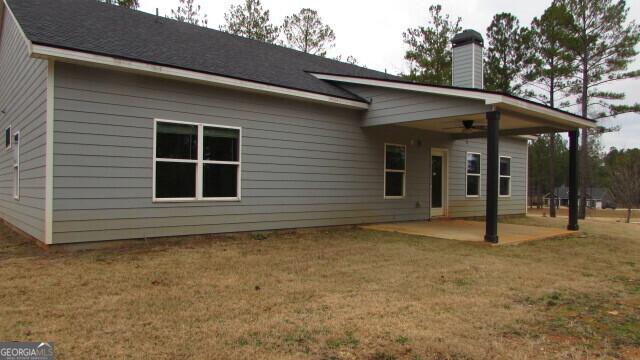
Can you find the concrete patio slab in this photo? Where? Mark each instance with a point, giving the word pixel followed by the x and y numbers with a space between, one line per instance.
pixel 471 231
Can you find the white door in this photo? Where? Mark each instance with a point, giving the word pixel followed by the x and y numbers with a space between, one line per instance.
pixel 438 182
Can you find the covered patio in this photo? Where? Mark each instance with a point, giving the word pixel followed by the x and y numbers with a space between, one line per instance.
pixel 464 113
pixel 471 231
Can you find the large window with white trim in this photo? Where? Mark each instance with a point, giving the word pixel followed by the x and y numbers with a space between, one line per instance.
pixel 395 168
pixel 473 174
pixel 505 176
pixel 195 161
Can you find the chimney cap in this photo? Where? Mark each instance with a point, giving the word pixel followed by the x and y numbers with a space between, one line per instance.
pixel 466 37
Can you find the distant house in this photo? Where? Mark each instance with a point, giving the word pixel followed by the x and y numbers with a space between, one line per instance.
pixel 597 198
pixel 120 124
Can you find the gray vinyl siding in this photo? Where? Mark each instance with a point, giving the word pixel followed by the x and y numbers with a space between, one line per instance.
pixel 303 164
pixel 390 106
pixel 465 58
pixel 23 88
pixel 462 206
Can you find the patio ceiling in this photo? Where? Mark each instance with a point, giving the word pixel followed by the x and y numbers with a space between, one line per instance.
pixel 511 123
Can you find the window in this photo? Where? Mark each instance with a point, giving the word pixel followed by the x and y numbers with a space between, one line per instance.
pixel 505 176
pixel 395 161
pixel 7 138
pixel 473 174
pixel 196 161
pixel 16 165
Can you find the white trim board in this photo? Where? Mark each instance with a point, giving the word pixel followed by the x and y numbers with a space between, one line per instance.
pixel 48 185
pixel 488 98
pixel 79 57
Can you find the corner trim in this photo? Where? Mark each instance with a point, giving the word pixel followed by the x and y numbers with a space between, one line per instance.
pixel 79 57
pixel 48 193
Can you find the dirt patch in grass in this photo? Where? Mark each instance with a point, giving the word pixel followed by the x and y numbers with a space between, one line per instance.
pixel 328 294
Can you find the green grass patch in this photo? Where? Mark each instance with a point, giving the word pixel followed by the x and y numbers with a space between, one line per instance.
pixel 348 340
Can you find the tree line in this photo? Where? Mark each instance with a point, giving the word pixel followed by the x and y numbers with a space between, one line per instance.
pixel 304 30
pixel 562 60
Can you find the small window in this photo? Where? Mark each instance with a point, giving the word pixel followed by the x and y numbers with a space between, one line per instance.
pixel 196 162
pixel 16 165
pixel 505 176
pixel 7 138
pixel 395 161
pixel 473 174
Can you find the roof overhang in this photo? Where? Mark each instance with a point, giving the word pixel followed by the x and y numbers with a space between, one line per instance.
pixel 504 103
pixel 84 58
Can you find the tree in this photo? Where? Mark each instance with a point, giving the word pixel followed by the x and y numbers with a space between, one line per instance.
pixel 131 4
pixel 624 171
pixel 603 44
pixel 188 12
pixel 429 51
pixel 508 49
pixel 350 60
pixel 549 70
pixel 541 181
pixel 306 32
pixel 251 21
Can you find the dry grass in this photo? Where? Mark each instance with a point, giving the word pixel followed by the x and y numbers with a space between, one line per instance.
pixel 329 294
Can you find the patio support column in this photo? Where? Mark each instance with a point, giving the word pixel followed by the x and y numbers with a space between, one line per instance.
pixel 493 164
pixel 573 181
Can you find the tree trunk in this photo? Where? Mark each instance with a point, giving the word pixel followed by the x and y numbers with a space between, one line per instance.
pixel 628 215
pixel 585 176
pixel 584 149
pixel 552 177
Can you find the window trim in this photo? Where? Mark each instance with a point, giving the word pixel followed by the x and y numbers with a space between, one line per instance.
pixel 16 165
pixel 8 147
pixel 404 172
pixel 467 174
pixel 199 161
pixel 500 176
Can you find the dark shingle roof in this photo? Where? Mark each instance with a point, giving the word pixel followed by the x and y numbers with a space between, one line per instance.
pixel 98 28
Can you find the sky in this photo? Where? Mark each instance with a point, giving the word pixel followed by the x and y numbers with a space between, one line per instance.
pixel 371 31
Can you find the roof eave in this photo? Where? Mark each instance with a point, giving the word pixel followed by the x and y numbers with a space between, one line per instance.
pixel 85 58
pixel 489 98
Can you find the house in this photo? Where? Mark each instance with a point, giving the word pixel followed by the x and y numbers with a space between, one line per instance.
pixel 597 198
pixel 120 124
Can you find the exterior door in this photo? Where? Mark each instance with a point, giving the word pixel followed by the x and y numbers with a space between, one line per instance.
pixel 438 182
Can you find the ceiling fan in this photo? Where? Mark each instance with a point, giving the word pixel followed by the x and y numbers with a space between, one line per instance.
pixel 468 127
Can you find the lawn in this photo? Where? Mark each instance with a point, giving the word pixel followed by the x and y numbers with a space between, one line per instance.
pixel 341 293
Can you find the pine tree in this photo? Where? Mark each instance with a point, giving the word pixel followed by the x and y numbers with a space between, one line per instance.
pixel 429 51
pixel 306 32
pixel 508 50
pixel 251 21
pixel 603 44
pixel 131 4
pixel 189 12
pixel 549 70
